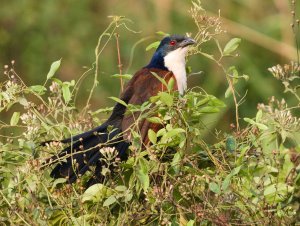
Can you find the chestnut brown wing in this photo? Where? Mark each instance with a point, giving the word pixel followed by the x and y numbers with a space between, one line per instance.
pixel 142 86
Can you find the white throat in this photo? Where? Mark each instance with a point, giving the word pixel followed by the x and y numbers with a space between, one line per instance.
pixel 175 62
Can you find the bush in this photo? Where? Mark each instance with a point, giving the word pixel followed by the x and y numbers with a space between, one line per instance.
pixel 250 176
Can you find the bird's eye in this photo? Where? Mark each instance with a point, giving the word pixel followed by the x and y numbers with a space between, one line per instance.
pixel 172 43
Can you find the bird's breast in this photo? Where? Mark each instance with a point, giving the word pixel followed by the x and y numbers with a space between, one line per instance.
pixel 175 62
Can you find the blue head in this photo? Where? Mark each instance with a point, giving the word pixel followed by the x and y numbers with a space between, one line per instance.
pixel 168 45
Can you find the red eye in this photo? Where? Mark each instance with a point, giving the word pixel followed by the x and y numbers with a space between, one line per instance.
pixel 172 43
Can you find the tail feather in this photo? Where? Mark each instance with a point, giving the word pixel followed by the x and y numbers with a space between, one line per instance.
pixel 84 152
pixel 97 177
pixel 77 142
pixel 85 135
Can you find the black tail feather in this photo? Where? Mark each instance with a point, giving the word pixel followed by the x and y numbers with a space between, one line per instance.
pixel 97 176
pixel 85 135
pixel 78 137
pixel 84 152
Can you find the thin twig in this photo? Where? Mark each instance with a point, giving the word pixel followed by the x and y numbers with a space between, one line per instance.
pixel 235 102
pixel 98 51
pixel 295 28
pixel 119 61
pixel 232 89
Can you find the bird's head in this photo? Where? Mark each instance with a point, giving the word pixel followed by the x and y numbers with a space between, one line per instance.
pixel 171 48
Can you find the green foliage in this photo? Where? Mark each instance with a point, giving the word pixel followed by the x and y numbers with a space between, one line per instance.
pixel 248 176
pixel 231 46
pixel 66 29
pixel 153 45
pixel 54 67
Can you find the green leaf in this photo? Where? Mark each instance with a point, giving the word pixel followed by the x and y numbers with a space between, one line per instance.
pixel 172 133
pixel 232 71
pixel 58 181
pixel 154 99
pixel 160 78
pixel 287 167
pixel 211 57
pixel 176 162
pixel 202 101
pixel 213 101
pixel 236 170
pixel 276 189
pixel 262 126
pixel 5 96
pixel 166 98
pixel 119 101
pixel 257 124
pixel 209 109
pixel 54 67
pixel 40 90
pixel 249 120
pixel 258 116
pixel 92 192
pixel 214 187
pixel 125 76
pixel 128 197
pixel 59 82
pixel 190 223
pixel 153 45
pixel 102 110
pixel 66 92
pixel 142 173
pixel 155 120
pixel 246 77
pixel 57 218
pixel 171 84
pixel 162 33
pixel 121 188
pixel 96 193
pixel 110 200
pixel 23 101
pixel 161 132
pixel 231 46
pixel 152 136
pixel 226 182
pixel 15 118
pixel 284 134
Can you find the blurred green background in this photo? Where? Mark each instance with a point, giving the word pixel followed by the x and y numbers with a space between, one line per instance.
pixel 36 33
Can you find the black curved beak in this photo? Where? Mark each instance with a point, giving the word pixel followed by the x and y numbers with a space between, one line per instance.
pixel 187 42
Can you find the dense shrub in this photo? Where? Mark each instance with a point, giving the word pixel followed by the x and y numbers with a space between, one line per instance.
pixel 248 176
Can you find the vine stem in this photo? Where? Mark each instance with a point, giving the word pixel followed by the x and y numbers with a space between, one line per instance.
pixel 98 51
pixel 232 91
pixel 119 61
pixel 235 103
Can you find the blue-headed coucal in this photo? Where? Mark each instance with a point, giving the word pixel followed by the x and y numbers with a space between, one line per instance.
pixel 167 62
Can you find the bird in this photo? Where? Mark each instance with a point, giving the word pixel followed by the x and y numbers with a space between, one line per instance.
pixel 84 150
